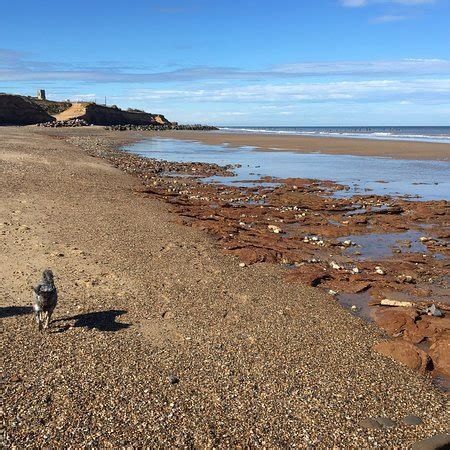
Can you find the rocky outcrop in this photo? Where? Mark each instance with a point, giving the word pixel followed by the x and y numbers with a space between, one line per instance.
pixel 17 110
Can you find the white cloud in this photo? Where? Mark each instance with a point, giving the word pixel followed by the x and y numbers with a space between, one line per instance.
pixel 14 67
pixel 389 18
pixel 434 90
pixel 361 3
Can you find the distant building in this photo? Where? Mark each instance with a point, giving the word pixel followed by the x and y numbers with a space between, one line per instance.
pixel 41 94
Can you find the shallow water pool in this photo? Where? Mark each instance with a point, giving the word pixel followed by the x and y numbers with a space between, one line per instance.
pixel 427 180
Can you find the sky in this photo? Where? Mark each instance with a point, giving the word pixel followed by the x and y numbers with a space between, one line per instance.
pixel 237 62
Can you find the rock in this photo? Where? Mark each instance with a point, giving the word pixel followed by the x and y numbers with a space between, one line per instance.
pixel 335 265
pixel 371 424
pixel 437 442
pixel 242 264
pixel 385 422
pixel 433 311
pixel 440 354
pixel 173 379
pixel 379 270
pixel 355 270
pixel 396 320
pixel 412 420
pixel 404 353
pixel 354 308
pixel 274 229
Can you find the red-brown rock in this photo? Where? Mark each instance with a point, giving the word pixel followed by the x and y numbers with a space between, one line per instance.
pixel 440 354
pixel 405 353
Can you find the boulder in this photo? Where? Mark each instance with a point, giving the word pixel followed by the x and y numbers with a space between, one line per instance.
pixel 405 353
pixel 396 320
pixel 440 354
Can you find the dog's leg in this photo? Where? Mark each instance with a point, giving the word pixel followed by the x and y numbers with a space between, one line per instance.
pixel 48 319
pixel 40 320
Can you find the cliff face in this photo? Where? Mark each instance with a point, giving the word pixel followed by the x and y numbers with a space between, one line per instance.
pixel 17 110
pixel 105 115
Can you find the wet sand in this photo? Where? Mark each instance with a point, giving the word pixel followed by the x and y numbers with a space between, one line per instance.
pixel 340 146
pixel 144 299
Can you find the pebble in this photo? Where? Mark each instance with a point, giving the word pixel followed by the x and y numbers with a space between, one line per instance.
pixel 439 441
pixel 412 420
pixel 370 423
pixel 173 379
pixel 386 422
pixel 379 270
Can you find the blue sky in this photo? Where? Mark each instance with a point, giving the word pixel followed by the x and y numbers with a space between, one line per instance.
pixel 242 62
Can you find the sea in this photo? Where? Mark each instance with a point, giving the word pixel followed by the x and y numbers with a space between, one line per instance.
pixel 364 175
pixel 421 134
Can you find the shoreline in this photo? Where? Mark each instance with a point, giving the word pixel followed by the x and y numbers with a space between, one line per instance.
pixel 335 146
pixel 145 298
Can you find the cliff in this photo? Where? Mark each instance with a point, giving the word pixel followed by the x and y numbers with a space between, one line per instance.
pixel 105 115
pixel 17 110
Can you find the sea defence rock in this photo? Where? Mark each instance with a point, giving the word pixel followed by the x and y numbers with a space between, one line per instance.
pixel 17 110
pixel 161 127
pixel 104 115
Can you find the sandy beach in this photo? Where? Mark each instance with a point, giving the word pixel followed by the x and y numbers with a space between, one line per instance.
pixel 339 146
pixel 162 339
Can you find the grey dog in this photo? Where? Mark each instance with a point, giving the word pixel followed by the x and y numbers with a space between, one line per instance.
pixel 45 299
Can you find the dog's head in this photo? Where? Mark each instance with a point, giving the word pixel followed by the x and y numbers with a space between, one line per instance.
pixel 47 276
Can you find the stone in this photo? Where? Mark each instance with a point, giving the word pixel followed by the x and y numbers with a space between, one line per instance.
pixel 440 354
pixel 371 424
pixel 385 422
pixel 433 311
pixel 173 379
pixel 437 442
pixel 396 320
pixel 404 353
pixel 274 229
pixel 412 420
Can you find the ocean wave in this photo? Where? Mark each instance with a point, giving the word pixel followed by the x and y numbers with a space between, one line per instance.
pixel 380 135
